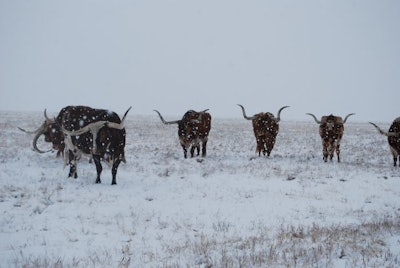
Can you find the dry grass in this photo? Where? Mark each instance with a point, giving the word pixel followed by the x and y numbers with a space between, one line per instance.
pixel 292 246
pixel 297 246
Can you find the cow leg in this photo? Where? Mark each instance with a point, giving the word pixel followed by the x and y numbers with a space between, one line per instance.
pixel 72 171
pixel 270 145
pixel 325 150
pixel 265 149
pixel 338 150
pixel 192 150
pixel 184 150
pixel 114 171
pixel 331 149
pixel 259 146
pixel 99 168
pixel 258 150
pixel 204 149
pixel 395 156
pixel 72 165
pixel 395 161
pixel 198 149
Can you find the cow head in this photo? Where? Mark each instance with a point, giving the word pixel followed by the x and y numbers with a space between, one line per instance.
pixel 330 120
pixel 52 133
pixel 331 125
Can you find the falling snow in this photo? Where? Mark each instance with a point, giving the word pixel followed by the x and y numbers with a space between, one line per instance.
pixel 166 210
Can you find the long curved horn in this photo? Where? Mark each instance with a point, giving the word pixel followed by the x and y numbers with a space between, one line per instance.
pixel 114 125
pixel 279 113
pixel 386 133
pixel 30 132
pixel 45 116
pixel 84 129
pixel 92 127
pixel 244 113
pixel 315 118
pixel 127 111
pixel 379 129
pixel 347 116
pixel 166 122
pixel 40 128
pixel 39 132
pixel 95 126
pixel 117 125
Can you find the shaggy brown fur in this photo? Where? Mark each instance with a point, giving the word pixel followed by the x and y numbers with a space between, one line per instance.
pixel 265 128
pixel 331 130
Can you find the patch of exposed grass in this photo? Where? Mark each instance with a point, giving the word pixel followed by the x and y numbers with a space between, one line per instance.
pixel 363 245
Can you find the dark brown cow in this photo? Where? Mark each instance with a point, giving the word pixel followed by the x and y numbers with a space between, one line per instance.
pixel 81 130
pixel 266 128
pixel 193 129
pixel 393 138
pixel 331 130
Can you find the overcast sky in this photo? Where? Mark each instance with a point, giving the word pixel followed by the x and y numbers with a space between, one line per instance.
pixel 338 56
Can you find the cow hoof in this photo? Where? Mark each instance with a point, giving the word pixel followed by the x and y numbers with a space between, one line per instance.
pixel 73 175
pixel 98 181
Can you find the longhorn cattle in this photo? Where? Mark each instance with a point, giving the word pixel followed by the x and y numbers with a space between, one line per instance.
pixel 193 129
pixel 266 128
pixel 331 130
pixel 81 130
pixel 393 138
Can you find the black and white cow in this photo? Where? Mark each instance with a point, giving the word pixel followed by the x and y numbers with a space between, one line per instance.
pixel 81 130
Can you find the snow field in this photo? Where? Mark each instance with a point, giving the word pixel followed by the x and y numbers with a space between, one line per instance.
pixel 231 208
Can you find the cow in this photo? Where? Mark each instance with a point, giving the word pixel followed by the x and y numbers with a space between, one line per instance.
pixel 193 129
pixel 331 130
pixel 393 135
pixel 266 128
pixel 82 130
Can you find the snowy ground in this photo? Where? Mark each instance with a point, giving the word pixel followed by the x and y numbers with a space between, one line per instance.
pixel 228 209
